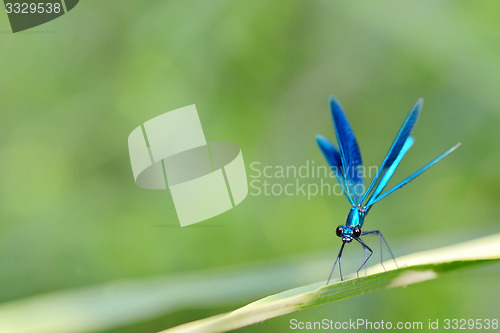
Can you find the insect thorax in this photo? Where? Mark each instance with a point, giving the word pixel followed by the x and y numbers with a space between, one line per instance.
pixel 355 218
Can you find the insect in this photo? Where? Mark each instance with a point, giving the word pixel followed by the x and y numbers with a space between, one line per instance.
pixel 347 165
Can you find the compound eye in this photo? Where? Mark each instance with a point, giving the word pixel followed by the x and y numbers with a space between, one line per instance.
pixel 339 231
pixel 356 232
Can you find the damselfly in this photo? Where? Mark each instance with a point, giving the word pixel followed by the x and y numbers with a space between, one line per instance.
pixel 347 165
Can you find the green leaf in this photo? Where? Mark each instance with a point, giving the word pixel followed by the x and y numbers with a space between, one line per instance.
pixel 124 302
pixel 414 268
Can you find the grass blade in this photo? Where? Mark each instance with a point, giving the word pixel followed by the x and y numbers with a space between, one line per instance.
pixel 414 268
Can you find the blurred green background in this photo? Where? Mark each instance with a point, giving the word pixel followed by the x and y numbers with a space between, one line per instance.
pixel 260 74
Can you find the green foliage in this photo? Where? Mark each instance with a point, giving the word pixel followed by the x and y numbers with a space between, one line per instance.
pixel 260 73
pixel 417 268
pixel 112 305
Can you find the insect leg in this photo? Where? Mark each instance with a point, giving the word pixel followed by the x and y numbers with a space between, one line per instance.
pixel 339 257
pixel 380 239
pixel 366 247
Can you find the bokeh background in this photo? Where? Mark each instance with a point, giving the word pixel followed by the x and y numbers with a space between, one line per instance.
pixel 260 73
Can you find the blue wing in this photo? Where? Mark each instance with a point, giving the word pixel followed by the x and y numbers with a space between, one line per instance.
pixel 349 153
pixel 332 155
pixel 416 174
pixel 390 172
pixel 380 180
